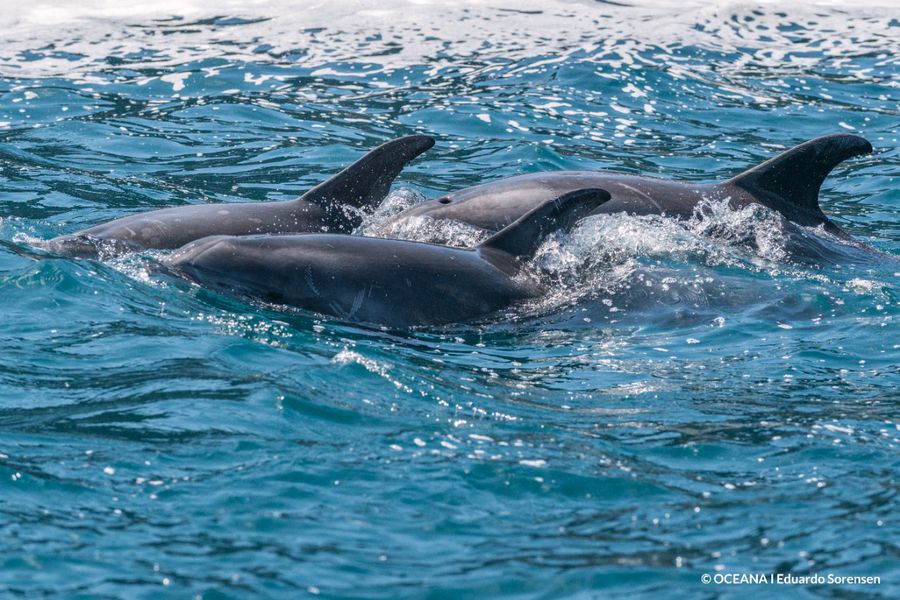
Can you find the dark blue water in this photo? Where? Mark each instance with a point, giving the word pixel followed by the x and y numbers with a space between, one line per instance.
pixel 718 396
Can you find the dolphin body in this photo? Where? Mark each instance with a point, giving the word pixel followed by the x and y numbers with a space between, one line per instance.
pixel 788 184
pixel 362 185
pixel 386 282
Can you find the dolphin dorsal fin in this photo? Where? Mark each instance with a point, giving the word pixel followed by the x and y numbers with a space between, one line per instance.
pixel 795 176
pixel 522 238
pixel 365 183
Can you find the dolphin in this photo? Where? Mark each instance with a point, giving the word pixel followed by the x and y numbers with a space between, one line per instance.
pixel 386 282
pixel 788 184
pixel 334 205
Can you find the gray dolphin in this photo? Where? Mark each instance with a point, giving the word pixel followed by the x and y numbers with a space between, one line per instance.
pixel 362 185
pixel 788 184
pixel 386 282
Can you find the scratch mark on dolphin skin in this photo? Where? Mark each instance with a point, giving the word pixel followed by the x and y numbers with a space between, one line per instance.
pixel 648 197
pixel 337 309
pixel 357 302
pixel 310 282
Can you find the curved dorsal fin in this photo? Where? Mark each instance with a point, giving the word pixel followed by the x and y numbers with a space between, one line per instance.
pixel 795 176
pixel 365 183
pixel 523 237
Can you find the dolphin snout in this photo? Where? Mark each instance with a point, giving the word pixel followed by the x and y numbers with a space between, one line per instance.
pixel 85 246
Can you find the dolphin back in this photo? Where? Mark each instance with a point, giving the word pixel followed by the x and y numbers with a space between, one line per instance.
pixel 790 182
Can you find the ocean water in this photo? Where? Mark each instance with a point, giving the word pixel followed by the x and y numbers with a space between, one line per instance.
pixel 712 397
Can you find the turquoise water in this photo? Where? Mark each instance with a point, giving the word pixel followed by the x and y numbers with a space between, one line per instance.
pixel 718 396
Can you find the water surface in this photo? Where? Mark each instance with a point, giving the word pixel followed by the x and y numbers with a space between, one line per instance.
pixel 712 396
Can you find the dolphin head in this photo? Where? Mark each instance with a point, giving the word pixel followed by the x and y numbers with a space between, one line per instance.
pixel 219 262
pixel 262 267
